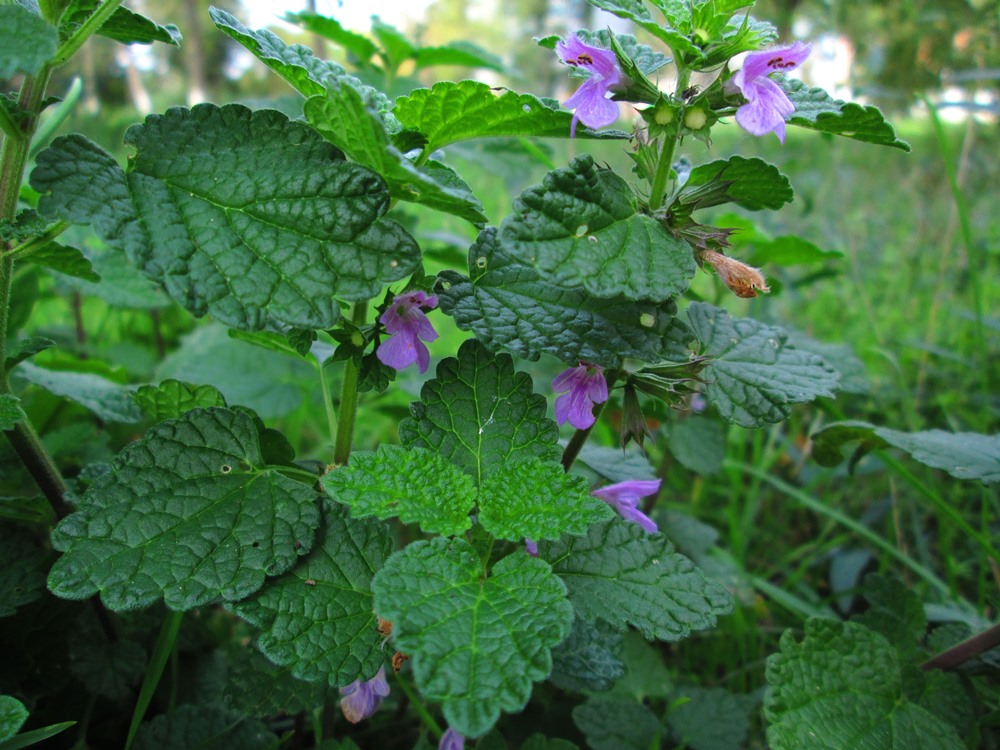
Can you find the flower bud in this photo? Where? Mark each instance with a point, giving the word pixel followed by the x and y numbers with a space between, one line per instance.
pixel 744 281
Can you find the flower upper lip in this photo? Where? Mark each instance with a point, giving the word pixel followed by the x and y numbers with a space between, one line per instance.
pixel 767 104
pixel 590 102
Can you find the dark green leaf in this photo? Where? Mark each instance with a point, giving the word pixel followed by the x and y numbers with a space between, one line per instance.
pixel 172 398
pixel 840 687
pixel 31 510
pixel 106 668
pixel 750 183
pixel 965 455
pixel 539 741
pixel 417 486
pixel 108 400
pixel 817 110
pixel 479 414
pixel 754 376
pixel 590 659
pixel 698 443
pixel 506 303
pixel 124 26
pixel 23 564
pixel 710 718
pixel 788 250
pixel 121 284
pixel 65 259
pixel 11 411
pixel 636 10
pixel 616 723
pixel 346 118
pixel 614 464
pixel 190 513
pixel 580 228
pixel 449 112
pixel 26 41
pixel 645 674
pixel 894 611
pixel 258 688
pixel 25 348
pixel 476 642
pixel 466 54
pixel 841 357
pixel 205 728
pixel 621 574
pixel 13 714
pixel 317 619
pixel 206 209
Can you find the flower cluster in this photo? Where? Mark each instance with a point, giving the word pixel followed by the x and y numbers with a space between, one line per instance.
pixel 408 327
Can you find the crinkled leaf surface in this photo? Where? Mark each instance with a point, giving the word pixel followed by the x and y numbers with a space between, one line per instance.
pixel 840 687
pixel 613 722
pixel 13 714
pixel 476 642
pixel 965 455
pixel 416 486
pixel 260 689
pixel 613 465
pixel 479 413
pixel 23 565
pixel 817 110
pixel 645 58
pixel 537 499
pixel 451 111
pixel 108 400
pixel 125 26
pixel 317 619
pixel 638 11
pixel 190 513
pixel 750 183
pixel 204 727
pixel 26 41
pixel 64 259
pixel 107 668
pixel 350 121
pixel 11 411
pixel 506 303
pixel 590 659
pixel 710 718
pixel 621 574
pixel 754 376
pixel 243 215
pixel 580 228
pixel 172 398
pixel 894 611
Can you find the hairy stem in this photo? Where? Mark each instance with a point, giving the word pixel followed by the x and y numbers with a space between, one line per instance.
pixel 349 397
pixel 576 443
pixel 964 651
pixel 665 164
pixel 95 21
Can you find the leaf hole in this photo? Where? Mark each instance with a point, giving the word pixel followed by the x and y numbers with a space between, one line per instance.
pixel 481 261
pixel 225 468
pixel 581 230
pixel 526 107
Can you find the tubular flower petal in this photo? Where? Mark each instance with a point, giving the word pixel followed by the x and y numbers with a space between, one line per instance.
pixel 451 740
pixel 408 327
pixel 586 386
pixel 361 699
pixel 591 106
pixel 531 547
pixel 624 498
pixel 767 104
pixel 743 280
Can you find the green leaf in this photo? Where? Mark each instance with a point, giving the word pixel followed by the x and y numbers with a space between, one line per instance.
pixel 206 728
pixel 710 718
pixel 30 510
pixel 190 513
pixel 788 250
pixel 356 44
pixel 815 109
pixel 645 58
pixel 317 619
pixel 108 400
pixel 13 714
pixel 476 642
pixel 698 443
pixel 121 284
pixel 66 260
pixel 965 455
pixel 258 688
pixel 11 412
pixel 752 184
pixel 754 376
pixel 894 611
pixel 25 348
pixel 616 723
pixel 23 564
pixel 173 398
pixel 621 574
pixel 124 26
pixel 466 54
pixel 539 741
pixel 645 674
pixel 451 111
pixel 635 10
pixel 106 668
pixel 580 228
pixel 841 687
pixel 346 118
pixel 417 486
pixel 506 303
pixel 27 42
pixel 590 659
pixel 537 499
pixel 206 209
pixel 395 46
pixel 613 465
pixel 479 414
pixel 841 357
pixel 27 739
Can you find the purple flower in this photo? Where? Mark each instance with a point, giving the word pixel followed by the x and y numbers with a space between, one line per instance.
pixel 361 699
pixel 586 386
pixel 767 104
pixel 592 108
pixel 451 740
pixel 407 324
pixel 624 497
pixel 531 547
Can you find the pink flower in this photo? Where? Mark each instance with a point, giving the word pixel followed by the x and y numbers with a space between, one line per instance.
pixel 586 386
pixel 624 498
pixel 451 740
pixel 406 322
pixel 361 699
pixel 767 104
pixel 592 108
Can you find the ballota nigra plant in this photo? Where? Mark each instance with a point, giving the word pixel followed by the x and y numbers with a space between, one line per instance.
pixel 472 565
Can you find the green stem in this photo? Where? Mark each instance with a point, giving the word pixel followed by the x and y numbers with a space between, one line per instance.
pixel 419 707
pixel 659 187
pixel 576 443
pixel 95 21
pixel 331 418
pixel 35 244
pixel 8 126
pixel 349 397
pixel 964 651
